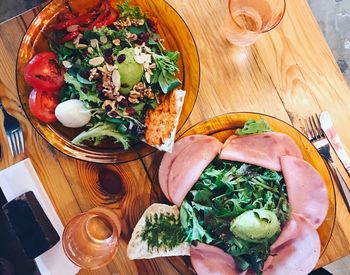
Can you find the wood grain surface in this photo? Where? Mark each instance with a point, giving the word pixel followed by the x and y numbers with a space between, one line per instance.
pixel 289 73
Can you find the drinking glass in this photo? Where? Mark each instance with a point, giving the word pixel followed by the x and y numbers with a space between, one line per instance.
pixel 90 240
pixel 248 19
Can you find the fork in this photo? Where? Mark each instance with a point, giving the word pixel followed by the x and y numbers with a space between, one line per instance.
pixel 316 135
pixel 14 133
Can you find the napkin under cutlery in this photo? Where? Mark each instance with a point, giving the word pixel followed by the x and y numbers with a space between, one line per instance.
pixel 19 179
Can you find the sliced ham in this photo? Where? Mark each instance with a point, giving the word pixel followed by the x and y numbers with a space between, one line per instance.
pixel 169 159
pixel 288 234
pixel 300 256
pixel 208 259
pixel 307 192
pixel 188 166
pixel 262 150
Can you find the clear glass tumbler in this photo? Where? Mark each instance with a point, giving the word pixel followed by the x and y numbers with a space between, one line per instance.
pixel 248 19
pixel 90 240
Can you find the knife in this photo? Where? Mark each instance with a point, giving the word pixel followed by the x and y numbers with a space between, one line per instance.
pixel 333 138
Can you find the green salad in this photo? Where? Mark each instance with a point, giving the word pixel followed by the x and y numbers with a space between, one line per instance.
pixel 236 206
pixel 117 67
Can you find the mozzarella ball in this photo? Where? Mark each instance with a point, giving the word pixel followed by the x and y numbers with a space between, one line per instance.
pixel 72 113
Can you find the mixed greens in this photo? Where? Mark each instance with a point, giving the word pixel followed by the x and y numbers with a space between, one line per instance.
pixel 117 66
pixel 226 191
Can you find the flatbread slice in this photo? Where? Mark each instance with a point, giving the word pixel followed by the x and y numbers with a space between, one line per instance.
pixel 161 123
pixel 138 249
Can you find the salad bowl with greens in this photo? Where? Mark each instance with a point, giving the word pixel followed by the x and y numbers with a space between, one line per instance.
pixel 95 74
pixel 235 215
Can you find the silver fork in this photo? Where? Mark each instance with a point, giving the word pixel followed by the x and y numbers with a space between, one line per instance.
pixel 316 135
pixel 14 133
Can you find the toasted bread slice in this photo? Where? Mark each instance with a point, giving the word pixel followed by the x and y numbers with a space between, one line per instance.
pixel 161 123
pixel 138 248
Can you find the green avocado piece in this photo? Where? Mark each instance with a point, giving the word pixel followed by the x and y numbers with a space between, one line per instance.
pixel 130 71
pixel 256 225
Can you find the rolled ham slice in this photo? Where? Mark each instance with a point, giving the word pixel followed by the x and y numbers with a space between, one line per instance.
pixel 288 234
pixel 169 158
pixel 188 166
pixel 307 192
pixel 299 256
pixel 262 150
pixel 208 259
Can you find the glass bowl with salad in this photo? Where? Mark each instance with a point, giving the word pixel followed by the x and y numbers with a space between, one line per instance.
pixel 88 74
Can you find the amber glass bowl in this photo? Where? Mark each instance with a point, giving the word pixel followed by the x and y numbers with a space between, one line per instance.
pixel 222 127
pixel 177 38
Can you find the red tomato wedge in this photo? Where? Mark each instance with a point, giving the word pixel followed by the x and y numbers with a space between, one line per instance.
pixel 42 105
pixel 44 73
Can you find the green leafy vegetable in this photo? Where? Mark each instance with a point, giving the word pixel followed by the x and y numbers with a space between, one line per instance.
pixel 100 131
pixel 126 10
pixel 226 190
pixel 254 127
pixel 166 71
pixel 163 231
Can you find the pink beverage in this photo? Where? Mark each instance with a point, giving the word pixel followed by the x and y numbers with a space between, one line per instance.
pixel 248 19
pixel 90 240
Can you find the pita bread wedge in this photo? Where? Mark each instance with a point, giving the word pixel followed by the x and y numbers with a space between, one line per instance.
pixel 161 123
pixel 139 249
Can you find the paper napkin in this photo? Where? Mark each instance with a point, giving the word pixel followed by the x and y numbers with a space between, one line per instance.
pixel 21 178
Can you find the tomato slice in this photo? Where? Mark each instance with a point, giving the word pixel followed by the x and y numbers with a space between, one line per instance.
pixel 44 73
pixel 42 105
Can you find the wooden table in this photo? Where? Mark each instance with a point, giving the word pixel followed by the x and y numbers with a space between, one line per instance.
pixel 290 73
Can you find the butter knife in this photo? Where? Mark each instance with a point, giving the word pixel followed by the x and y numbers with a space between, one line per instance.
pixel 333 138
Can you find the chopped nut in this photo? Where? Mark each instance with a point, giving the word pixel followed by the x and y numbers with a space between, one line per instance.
pixel 72 28
pixel 148 77
pixel 116 42
pixel 143 58
pixel 139 92
pixel 139 86
pixel 123 23
pixel 134 97
pixel 116 79
pixel 103 39
pixel 110 68
pixel 131 36
pixel 93 74
pixel 81 46
pixel 94 43
pixel 77 39
pixel 67 64
pixel 137 51
pixel 96 61
pixel 148 93
pixel 90 50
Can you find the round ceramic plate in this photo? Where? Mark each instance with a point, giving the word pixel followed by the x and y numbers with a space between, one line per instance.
pixel 177 38
pixel 224 126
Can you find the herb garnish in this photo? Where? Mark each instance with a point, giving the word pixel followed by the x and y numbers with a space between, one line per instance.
pixel 163 231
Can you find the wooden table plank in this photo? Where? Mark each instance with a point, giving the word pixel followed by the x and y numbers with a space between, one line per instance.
pixel 289 73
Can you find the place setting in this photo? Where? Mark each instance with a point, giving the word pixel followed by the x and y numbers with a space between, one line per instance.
pixel 163 137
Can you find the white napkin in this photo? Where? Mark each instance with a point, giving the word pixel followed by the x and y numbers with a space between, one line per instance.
pixel 21 178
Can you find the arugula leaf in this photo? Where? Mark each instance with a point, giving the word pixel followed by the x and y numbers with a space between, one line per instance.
pixel 168 82
pixel 126 10
pixel 100 131
pixel 254 127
